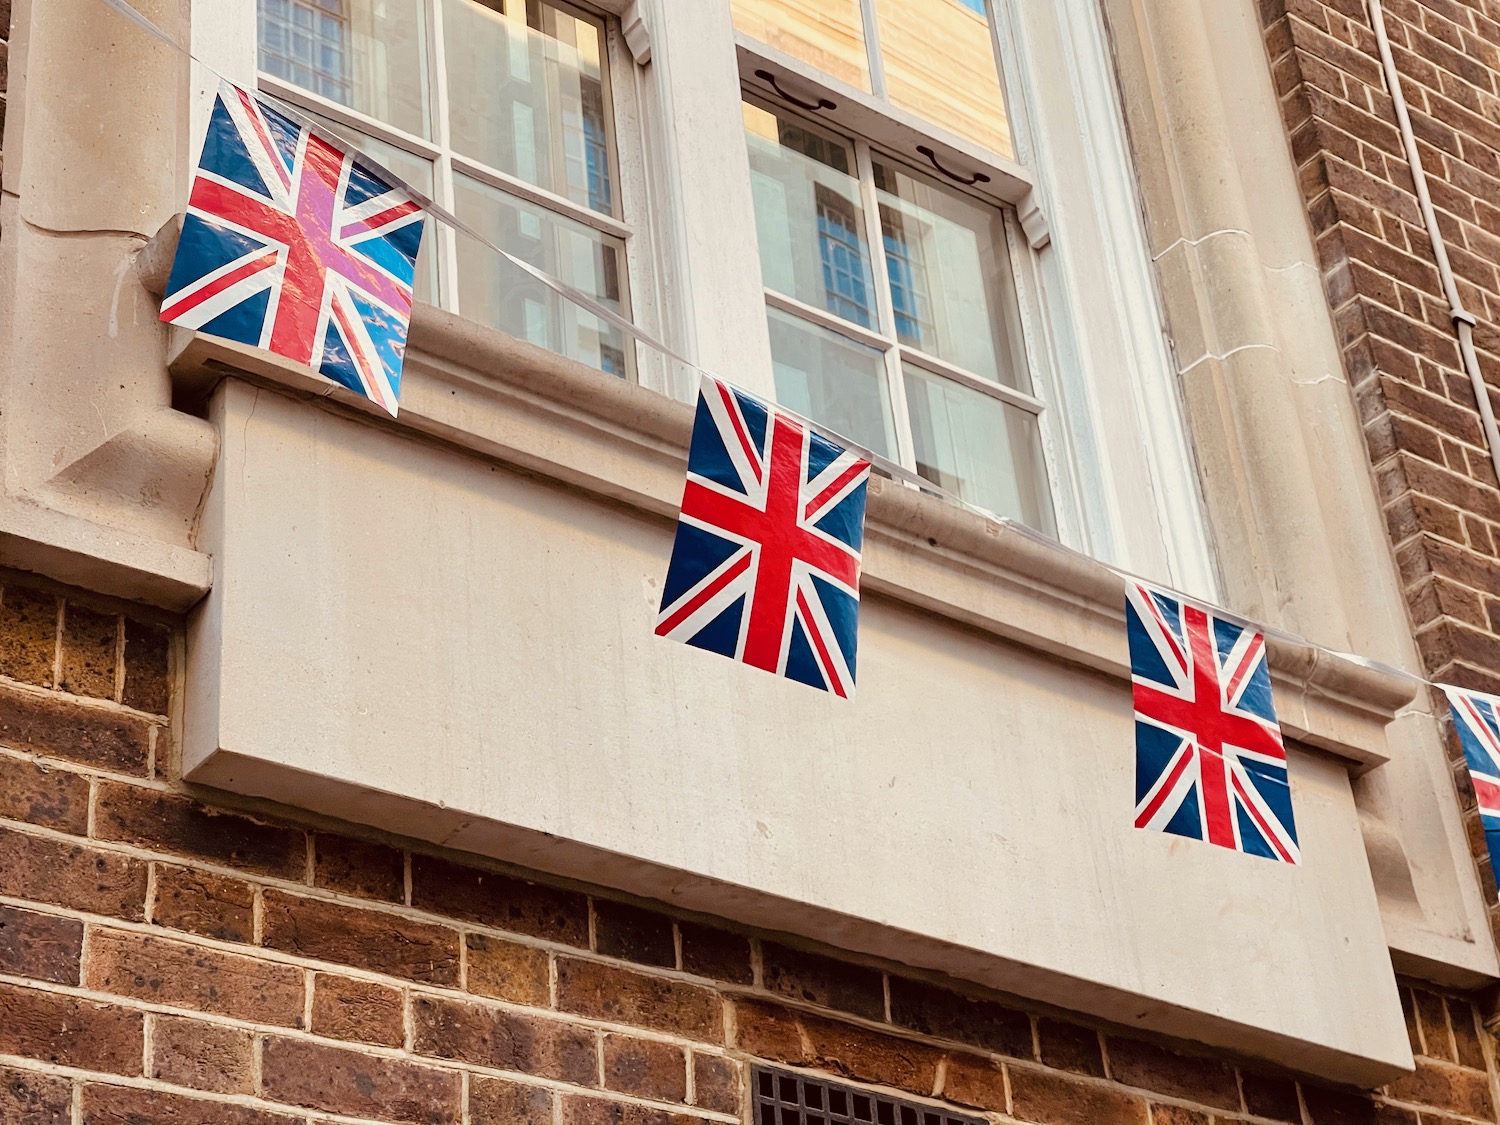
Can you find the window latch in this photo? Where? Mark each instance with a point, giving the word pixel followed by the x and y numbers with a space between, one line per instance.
pixel 821 103
pixel 967 181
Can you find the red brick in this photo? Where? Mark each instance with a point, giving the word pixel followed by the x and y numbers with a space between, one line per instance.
pixel 42 946
pixel 27 1098
pixel 70 1032
pixel 123 1105
pixel 345 1008
pixel 365 939
pixel 28 635
pixel 1178 1115
pixel 87 733
pixel 72 875
pixel 951 1015
pixel 336 1080
pixel 166 822
pixel 1446 1087
pixel 716 1083
pixel 500 901
pixel 359 867
pixel 1067 1046
pixel 645 1067
pixel 204 903
pixel 495 1101
pixel 203 1056
pixel 634 934
pixel 606 992
pixel 1461 1017
pixel 46 797
pixel 596 1111
pixel 1327 1106
pixel 1049 1098
pixel 505 1040
pixel 711 952
pixel 189 976
pixel 825 981
pixel 1432 1013
pixel 147 679
pixel 975 1080
pixel 1270 1096
pixel 1133 1062
pixel 769 1031
pixel 508 970
pixel 90 651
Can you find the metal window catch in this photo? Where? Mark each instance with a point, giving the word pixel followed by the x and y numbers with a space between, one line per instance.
pixel 821 103
pixel 967 181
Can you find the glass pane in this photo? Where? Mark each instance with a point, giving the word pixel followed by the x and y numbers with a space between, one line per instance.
pixel 526 95
pixel 832 380
pixel 492 290
pixel 370 55
pixel 415 170
pixel 951 284
pixel 808 216
pixel 829 34
pixel 940 64
pixel 987 451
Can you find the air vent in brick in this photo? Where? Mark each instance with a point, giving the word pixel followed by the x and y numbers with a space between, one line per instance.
pixel 783 1098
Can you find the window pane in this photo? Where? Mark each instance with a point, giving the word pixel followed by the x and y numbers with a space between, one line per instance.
pixel 951 285
pixel 808 216
pixel 370 55
pixel 416 171
pixel 829 34
pixel 832 380
pixel 987 451
pixel 940 63
pixel 492 290
pixel 526 95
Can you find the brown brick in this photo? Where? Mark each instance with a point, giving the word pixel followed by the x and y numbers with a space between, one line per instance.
pixel 769 1031
pixel 87 733
pixel 950 1015
pixel 1446 1087
pixel 147 679
pixel 1178 1115
pixel 70 1032
pixel 1270 1096
pixel 1432 1013
pixel 359 867
pixel 42 946
pixel 508 970
pixel 90 651
pixel 825 981
pixel 1133 1062
pixel 1327 1106
pixel 204 903
pixel 634 934
pixel 345 1008
pixel 596 1111
pixel 716 1083
pixel 203 1056
pixel 337 1080
pixel 28 635
pixel 170 823
pixel 711 952
pixel 366 939
pixel 122 1105
pixel 869 1056
pixel 1068 1046
pixel 606 992
pixel 501 901
pixel 975 1080
pixel 27 1098
pixel 494 1101
pixel 189 976
pixel 71 875
pixel 645 1067
pixel 1048 1098
pixel 1461 1017
pixel 40 795
pixel 494 1037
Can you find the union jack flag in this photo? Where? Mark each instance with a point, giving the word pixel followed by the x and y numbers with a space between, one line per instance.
pixel 294 245
pixel 765 566
pixel 1477 717
pixel 1209 761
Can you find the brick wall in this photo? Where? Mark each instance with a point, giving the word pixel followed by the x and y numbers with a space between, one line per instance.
pixel 167 959
pixel 1421 424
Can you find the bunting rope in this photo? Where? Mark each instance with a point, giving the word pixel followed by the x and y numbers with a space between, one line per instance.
pixel 885 465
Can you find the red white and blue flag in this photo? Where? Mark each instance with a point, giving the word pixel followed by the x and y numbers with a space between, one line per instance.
pixel 1209 760
pixel 765 565
pixel 294 245
pixel 1476 716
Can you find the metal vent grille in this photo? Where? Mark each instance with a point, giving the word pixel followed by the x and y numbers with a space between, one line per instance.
pixel 784 1098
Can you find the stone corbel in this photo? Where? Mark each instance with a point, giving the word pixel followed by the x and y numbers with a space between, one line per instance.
pixel 637 33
